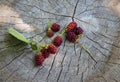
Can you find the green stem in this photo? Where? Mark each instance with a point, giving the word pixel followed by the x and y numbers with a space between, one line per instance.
pixel 87 51
pixel 50 23
pixel 61 34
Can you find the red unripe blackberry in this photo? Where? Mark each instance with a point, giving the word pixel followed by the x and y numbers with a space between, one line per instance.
pixel 49 33
pixel 71 26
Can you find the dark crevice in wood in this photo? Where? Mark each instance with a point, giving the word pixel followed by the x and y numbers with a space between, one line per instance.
pixel 75 49
pixel 82 77
pixel 86 10
pixel 80 54
pixel 51 68
pixel 42 38
pixel 67 69
pixel 112 44
pixel 37 72
pixel 36 35
pixel 75 10
pixel 103 35
pixel 64 43
pixel 12 60
pixel 46 11
pixel 85 22
pixel 11 75
pixel 92 57
pixel 61 66
pixel 78 69
pixel 100 51
pixel 98 44
pixel 88 53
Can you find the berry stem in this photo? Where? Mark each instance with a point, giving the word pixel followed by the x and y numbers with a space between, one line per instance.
pixel 41 45
pixel 79 37
pixel 49 24
pixel 87 51
pixel 62 32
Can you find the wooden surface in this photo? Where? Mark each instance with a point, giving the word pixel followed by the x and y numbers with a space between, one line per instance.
pixel 71 63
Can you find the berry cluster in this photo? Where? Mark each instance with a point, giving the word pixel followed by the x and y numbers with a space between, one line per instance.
pixel 45 53
pixel 73 33
pixel 53 28
pixel 50 48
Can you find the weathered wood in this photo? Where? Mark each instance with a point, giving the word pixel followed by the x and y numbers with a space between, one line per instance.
pixel 71 63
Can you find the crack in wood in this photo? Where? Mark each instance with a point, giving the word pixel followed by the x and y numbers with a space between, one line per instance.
pixel 67 69
pixel 75 49
pixel 75 10
pixel 88 53
pixel 100 34
pixel 98 44
pixel 47 11
pixel 112 44
pixel 85 22
pixel 10 46
pixel 82 77
pixel 11 74
pixel 37 72
pixel 51 68
pixel 100 51
pixel 78 65
pixel 12 60
pixel 86 10
pixel 61 66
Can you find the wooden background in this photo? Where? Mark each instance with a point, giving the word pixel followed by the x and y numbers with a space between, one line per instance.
pixel 71 63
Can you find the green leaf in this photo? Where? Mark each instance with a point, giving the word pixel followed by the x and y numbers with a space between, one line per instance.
pixel 18 35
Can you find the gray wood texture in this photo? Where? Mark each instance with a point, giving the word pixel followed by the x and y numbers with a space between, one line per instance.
pixel 71 63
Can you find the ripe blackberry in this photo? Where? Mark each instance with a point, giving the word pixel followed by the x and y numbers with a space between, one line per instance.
pixel 71 36
pixel 78 30
pixel 55 27
pixel 52 48
pixel 39 59
pixel 57 41
pixel 45 53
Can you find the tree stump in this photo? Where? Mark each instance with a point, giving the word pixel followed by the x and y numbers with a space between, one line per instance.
pixel 71 63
